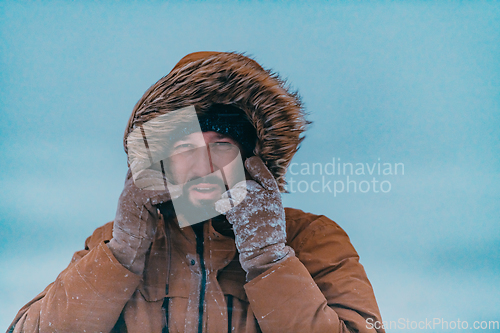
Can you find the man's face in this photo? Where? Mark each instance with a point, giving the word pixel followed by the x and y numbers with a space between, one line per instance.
pixel 207 163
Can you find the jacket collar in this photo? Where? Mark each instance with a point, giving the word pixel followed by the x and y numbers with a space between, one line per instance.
pixel 219 250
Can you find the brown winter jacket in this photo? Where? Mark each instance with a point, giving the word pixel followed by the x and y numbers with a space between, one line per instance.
pixel 323 289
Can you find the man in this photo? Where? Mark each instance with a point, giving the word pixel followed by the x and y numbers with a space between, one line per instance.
pixel 201 241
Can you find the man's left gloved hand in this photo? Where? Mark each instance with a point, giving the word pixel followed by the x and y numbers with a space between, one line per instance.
pixel 255 210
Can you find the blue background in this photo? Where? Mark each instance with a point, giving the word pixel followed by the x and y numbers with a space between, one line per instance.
pixel 404 82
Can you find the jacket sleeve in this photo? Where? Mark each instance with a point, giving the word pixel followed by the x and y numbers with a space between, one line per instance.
pixel 88 296
pixel 323 288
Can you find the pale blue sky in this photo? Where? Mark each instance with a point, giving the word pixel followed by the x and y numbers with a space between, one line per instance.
pixel 412 82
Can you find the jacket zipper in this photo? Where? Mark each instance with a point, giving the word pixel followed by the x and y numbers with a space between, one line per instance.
pixel 199 251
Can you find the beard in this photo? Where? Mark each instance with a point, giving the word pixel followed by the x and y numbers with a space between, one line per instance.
pixel 198 210
pixel 195 213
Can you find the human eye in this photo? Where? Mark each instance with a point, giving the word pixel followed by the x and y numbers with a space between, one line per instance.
pixel 223 146
pixel 182 147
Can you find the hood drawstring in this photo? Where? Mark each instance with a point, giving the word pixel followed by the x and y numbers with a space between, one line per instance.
pixel 166 300
pixel 229 313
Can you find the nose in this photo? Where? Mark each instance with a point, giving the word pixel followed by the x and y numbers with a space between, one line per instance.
pixel 202 162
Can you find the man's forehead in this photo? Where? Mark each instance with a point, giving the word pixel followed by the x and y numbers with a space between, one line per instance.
pixel 218 135
pixel 209 135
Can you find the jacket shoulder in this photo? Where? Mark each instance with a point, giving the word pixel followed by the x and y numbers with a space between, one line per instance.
pixel 302 228
pixel 297 221
pixel 103 233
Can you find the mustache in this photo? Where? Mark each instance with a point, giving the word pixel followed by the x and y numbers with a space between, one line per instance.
pixel 211 179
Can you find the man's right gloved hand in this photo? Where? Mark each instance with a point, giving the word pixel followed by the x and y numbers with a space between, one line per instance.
pixel 137 216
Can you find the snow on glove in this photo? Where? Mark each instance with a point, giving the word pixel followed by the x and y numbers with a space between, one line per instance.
pixel 137 216
pixel 258 219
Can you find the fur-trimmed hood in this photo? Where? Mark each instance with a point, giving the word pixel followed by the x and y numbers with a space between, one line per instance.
pixel 204 78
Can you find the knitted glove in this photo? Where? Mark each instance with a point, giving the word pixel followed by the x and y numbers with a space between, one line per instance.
pixel 254 209
pixel 137 216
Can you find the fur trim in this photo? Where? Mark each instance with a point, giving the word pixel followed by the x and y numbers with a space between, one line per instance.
pixel 204 78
